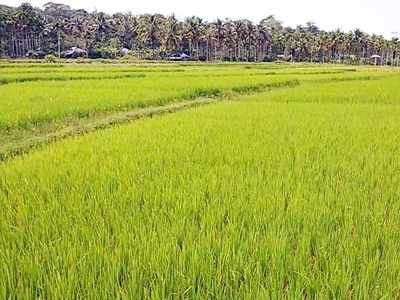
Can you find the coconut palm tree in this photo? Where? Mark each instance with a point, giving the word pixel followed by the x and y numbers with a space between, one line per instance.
pixel 150 30
pixel 193 30
pixel 240 37
pixel 230 40
pixel 210 41
pixel 220 36
pixel 264 40
pixel 171 35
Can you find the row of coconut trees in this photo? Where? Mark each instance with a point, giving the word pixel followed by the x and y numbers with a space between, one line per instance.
pixel 156 36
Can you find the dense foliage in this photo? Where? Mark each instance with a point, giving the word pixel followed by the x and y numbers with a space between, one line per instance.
pixel 57 27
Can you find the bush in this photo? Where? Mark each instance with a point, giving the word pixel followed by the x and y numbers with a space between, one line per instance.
pixel 109 52
pixel 269 58
pixel 50 58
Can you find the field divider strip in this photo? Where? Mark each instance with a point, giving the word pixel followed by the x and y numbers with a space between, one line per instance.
pixel 29 140
pixel 23 146
pixel 5 81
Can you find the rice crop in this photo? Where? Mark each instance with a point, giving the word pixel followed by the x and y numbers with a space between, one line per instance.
pixel 32 103
pixel 293 193
pixel 35 96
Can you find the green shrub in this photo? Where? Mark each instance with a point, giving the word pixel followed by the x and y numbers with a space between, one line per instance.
pixel 50 58
pixel 109 52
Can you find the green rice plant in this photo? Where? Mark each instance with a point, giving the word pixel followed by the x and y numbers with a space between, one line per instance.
pixel 30 104
pixel 361 90
pixel 31 99
pixel 66 77
pixel 263 198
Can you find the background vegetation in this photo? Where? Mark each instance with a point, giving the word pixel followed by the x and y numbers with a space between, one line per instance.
pixel 57 28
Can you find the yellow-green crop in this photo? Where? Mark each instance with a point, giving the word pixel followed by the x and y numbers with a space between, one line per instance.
pixel 293 193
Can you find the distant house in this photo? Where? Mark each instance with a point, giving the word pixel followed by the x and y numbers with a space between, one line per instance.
pixel 284 57
pixel 179 57
pixel 375 58
pixel 75 52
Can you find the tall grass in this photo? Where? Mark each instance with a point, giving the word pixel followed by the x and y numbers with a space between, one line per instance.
pixel 32 103
pixel 34 95
pixel 342 90
pixel 264 198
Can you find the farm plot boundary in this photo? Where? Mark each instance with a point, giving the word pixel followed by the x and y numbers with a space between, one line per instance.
pixel 19 141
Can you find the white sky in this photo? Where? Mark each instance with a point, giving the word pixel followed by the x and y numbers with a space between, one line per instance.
pixel 372 16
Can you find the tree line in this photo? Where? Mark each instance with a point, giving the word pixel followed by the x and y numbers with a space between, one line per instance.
pixel 57 27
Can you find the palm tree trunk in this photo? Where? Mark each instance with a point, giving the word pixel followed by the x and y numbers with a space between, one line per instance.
pixel 58 44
